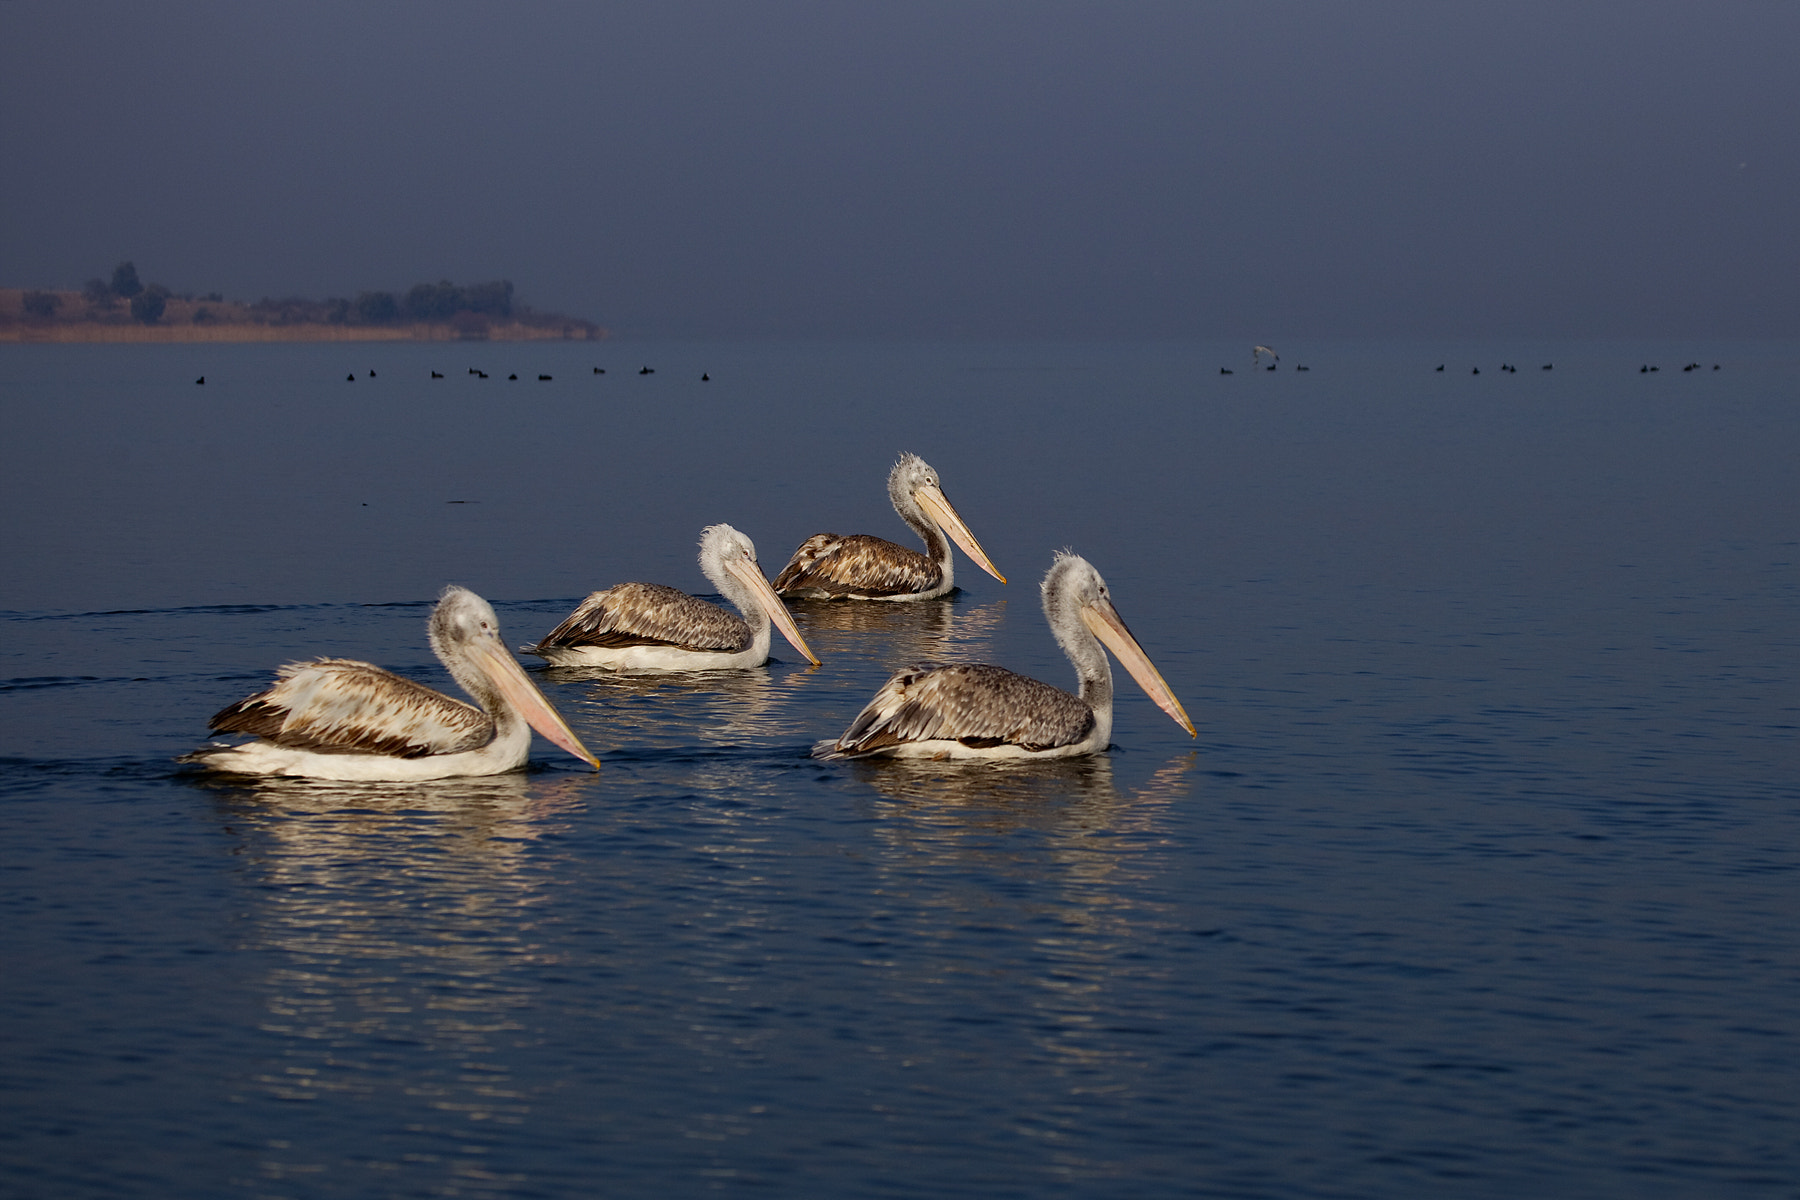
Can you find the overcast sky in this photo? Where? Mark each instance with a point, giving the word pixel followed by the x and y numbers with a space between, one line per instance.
pixel 925 169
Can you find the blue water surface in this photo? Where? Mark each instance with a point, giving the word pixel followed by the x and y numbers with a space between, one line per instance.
pixel 1479 880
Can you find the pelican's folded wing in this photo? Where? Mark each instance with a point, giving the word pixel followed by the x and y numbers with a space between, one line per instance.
pixel 339 705
pixel 649 614
pixel 973 703
pixel 855 564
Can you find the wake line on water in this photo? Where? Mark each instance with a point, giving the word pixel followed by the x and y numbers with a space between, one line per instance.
pixel 251 610
pixel 33 683
pixel 14 766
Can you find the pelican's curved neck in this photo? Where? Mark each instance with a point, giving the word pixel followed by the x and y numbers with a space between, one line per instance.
pixel 509 723
pixel 1084 651
pixel 742 599
pixel 937 546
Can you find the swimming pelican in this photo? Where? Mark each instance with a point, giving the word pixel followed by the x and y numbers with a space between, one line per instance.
pixel 860 567
pixel 977 711
pixel 649 627
pixel 335 718
pixel 1259 350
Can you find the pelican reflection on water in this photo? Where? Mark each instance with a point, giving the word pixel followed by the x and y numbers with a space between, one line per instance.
pixel 980 711
pixel 649 627
pixel 337 718
pixel 660 711
pixel 857 566
pixel 887 633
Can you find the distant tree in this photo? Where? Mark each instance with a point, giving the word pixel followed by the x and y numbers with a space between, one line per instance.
pixel 495 299
pixel 147 306
pixel 377 308
pixel 42 304
pixel 434 301
pixel 125 280
pixel 203 314
pixel 337 311
pixel 98 294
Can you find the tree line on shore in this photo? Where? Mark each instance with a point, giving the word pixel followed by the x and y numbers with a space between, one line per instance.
pixel 473 306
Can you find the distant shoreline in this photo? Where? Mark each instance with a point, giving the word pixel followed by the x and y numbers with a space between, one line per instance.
pixel 186 319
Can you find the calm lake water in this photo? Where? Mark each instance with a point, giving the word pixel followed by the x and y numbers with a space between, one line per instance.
pixel 1480 879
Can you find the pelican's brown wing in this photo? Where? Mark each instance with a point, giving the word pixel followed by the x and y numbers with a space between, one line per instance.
pixel 855 565
pixel 973 703
pixel 341 706
pixel 649 614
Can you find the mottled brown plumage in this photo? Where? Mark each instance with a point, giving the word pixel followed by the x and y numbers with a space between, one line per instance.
pixel 342 706
pixel 649 614
pixel 976 704
pixel 855 566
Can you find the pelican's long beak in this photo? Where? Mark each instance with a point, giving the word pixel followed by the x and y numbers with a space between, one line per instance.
pixel 937 507
pixel 510 678
pixel 752 577
pixel 1102 620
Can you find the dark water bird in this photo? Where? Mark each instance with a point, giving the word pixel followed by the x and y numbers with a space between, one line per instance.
pixel 474 371
pixel 483 374
pixel 1475 371
pixel 646 370
pixel 1440 366
pixel 705 378
pixel 649 627
pixel 543 378
pixel 1656 368
pixel 856 566
pixel 371 374
pixel 1303 367
pixel 598 371
pixel 513 377
pixel 437 374
pixel 1545 367
pixel 1226 371
pixel 201 380
pixel 979 711
pixel 1270 367
pixel 1715 366
pixel 350 378
pixel 336 718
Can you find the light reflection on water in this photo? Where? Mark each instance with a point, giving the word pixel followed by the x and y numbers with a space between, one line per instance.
pixel 402 923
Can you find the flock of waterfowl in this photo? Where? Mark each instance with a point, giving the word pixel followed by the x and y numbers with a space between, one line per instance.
pixel 340 719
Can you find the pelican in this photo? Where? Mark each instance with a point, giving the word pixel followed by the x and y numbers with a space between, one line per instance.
pixel 977 711
pixel 1255 351
pixel 335 718
pixel 649 627
pixel 859 567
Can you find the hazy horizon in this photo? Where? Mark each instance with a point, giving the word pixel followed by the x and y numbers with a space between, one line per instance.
pixel 1000 170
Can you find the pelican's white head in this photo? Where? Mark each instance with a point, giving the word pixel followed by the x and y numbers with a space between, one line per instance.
pixel 728 558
